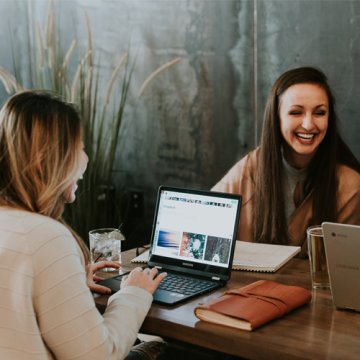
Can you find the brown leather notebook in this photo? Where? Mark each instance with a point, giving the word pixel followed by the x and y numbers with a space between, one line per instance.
pixel 253 305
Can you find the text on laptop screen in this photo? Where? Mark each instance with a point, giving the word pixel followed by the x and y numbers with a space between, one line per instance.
pixel 194 227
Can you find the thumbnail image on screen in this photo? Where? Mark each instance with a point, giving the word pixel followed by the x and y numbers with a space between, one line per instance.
pixel 192 245
pixel 217 249
pixel 168 242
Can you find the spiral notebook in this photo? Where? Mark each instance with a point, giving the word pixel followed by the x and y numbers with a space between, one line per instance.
pixel 262 257
pixel 142 258
pixel 252 256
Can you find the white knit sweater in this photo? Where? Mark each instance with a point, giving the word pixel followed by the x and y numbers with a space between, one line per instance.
pixel 46 308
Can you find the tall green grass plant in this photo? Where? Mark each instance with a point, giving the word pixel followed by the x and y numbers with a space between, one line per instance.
pixel 76 75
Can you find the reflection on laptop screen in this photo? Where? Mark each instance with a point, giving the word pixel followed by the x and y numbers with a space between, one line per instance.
pixel 194 227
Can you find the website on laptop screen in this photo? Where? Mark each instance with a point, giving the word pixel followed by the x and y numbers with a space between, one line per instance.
pixel 194 227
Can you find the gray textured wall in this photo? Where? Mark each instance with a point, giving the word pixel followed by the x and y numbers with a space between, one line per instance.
pixel 323 33
pixel 203 114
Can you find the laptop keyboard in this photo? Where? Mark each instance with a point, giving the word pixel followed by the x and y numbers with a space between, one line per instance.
pixel 185 285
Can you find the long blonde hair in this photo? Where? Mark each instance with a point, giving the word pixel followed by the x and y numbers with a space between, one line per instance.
pixel 40 145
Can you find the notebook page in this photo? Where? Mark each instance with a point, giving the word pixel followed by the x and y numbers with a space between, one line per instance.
pixel 142 258
pixel 262 257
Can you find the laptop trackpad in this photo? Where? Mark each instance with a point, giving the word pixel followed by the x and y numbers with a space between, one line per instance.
pixel 167 297
pixel 113 283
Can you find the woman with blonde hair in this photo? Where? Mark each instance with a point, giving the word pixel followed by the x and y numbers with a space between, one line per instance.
pixel 46 308
pixel 302 173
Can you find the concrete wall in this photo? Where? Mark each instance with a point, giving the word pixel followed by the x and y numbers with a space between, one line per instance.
pixel 196 119
pixel 323 33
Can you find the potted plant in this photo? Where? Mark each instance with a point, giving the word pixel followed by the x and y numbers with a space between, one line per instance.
pixel 77 79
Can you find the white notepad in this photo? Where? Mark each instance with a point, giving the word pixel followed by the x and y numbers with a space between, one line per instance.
pixel 262 257
pixel 142 258
pixel 252 256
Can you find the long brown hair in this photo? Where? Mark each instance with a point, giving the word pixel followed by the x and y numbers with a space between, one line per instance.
pixel 40 144
pixel 269 210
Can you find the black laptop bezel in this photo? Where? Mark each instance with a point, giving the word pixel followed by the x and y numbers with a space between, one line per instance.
pixel 191 267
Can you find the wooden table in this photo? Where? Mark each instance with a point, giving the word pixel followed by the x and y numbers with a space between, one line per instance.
pixel 315 331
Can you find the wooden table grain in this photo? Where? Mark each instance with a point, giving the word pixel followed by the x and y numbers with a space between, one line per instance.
pixel 314 331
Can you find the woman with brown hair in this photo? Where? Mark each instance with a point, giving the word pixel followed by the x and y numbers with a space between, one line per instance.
pixel 46 308
pixel 302 173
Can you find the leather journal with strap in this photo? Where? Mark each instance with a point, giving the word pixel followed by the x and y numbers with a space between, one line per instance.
pixel 254 305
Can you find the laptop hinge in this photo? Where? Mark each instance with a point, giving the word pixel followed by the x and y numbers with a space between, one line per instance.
pixel 215 278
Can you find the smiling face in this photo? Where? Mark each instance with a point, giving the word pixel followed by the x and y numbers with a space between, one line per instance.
pixel 304 117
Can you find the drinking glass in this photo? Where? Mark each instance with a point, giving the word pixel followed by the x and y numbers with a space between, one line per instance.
pixel 105 245
pixel 317 257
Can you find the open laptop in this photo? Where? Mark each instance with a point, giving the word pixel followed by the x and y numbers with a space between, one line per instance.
pixel 342 247
pixel 193 240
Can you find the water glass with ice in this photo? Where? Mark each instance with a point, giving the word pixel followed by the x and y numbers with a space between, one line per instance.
pixel 105 245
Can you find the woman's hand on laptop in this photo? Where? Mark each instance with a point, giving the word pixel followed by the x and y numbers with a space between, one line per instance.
pixel 147 279
pixel 92 278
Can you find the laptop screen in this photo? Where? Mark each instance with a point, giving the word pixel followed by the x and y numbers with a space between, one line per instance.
pixel 195 228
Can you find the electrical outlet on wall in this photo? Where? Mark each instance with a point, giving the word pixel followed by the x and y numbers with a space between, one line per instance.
pixel 132 204
pixel 135 227
pixel 136 204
